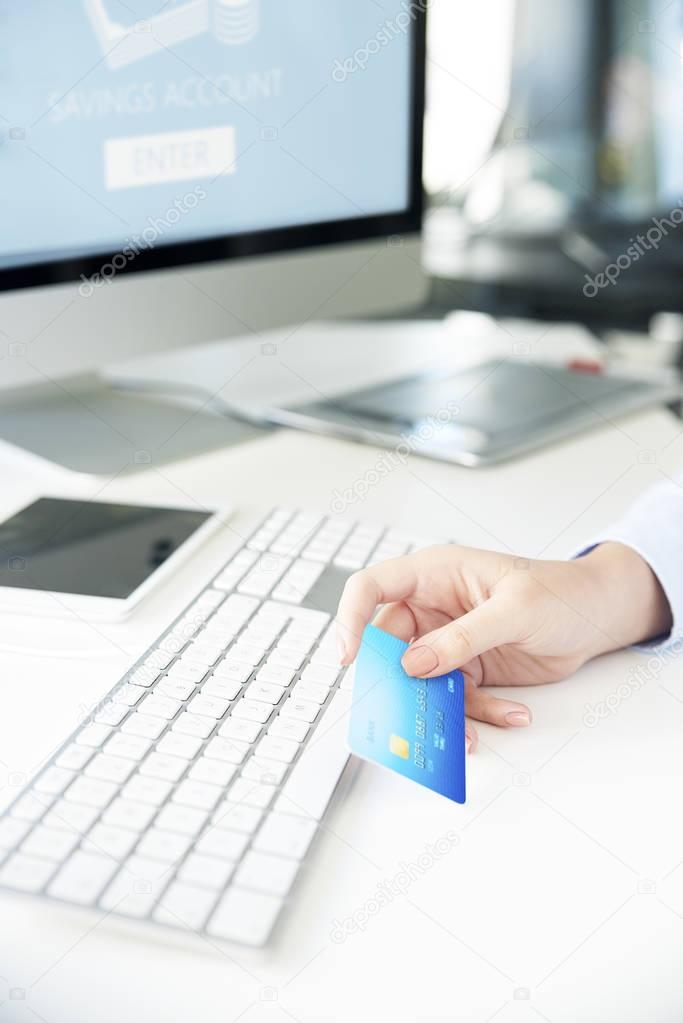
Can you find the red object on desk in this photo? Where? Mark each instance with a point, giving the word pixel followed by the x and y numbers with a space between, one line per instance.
pixel 585 366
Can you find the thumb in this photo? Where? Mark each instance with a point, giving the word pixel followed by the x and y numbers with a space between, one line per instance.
pixel 453 645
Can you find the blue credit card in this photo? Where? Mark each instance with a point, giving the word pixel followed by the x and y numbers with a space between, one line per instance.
pixel 414 726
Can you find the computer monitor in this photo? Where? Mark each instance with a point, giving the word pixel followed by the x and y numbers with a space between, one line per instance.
pixel 150 151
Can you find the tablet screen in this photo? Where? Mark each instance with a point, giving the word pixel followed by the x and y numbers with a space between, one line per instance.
pixel 89 547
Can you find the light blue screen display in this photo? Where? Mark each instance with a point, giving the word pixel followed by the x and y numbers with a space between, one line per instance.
pixel 193 119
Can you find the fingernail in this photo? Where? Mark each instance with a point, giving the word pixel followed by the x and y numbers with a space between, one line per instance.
pixel 419 660
pixel 518 718
pixel 341 647
pixel 468 744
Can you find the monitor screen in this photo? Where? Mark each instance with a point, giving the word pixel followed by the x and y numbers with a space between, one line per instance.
pixel 130 128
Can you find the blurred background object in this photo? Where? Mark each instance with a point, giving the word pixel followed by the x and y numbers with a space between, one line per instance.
pixel 573 163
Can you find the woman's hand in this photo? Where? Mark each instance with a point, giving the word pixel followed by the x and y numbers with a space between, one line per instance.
pixel 503 620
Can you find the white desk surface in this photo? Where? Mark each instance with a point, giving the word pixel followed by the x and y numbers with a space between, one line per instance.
pixel 561 900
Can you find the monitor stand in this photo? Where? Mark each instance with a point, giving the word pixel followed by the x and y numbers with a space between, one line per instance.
pixel 84 425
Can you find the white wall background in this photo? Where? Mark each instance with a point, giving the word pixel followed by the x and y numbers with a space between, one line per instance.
pixel 467 78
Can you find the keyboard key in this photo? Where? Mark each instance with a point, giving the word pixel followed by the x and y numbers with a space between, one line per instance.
pixel 237 817
pixel 289 728
pixel 273 613
pixel 187 627
pixel 160 706
pixel 49 843
pixel 274 748
pixel 168 768
pixel 177 689
pixel 206 871
pixel 71 816
pixel 124 813
pixel 141 724
pixel 211 599
pixel 91 792
pixel 174 744
pixel 265 573
pixel 82 878
pixel 186 820
pixel 221 687
pixel 53 781
pixel 247 653
pixel 187 671
pixel 31 806
pixel 264 692
pixel 225 845
pixel 274 674
pixel 298 581
pixel 159 658
pixel 173 643
pixel 252 710
pixel 236 568
pixel 260 634
pixel 137 887
pixel 265 873
pixel 232 671
pixel 107 768
pixel 197 794
pixel 309 691
pixel 105 840
pixel 285 835
pixel 302 710
pixel 239 606
pixel 147 790
pixel 245 916
pixel 302 642
pixel 167 846
pixel 145 676
pixel 185 905
pixel 12 832
pixel 231 750
pixel 132 747
pixel 285 657
pixel 320 674
pixel 314 777
pixel 240 728
pixel 94 735
pixel 208 706
pixel 326 658
pixel 214 772
pixel 270 772
pixel 74 757
pixel 310 618
pixel 28 873
pixel 221 632
pixel 194 725
pixel 203 653
pixel 251 793
pixel 111 714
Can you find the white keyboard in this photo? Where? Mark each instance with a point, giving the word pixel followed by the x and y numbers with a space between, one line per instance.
pixel 191 795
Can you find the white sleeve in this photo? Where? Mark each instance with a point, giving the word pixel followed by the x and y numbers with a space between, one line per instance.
pixel 653 527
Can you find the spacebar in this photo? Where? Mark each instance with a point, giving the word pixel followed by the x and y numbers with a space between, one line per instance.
pixel 314 777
